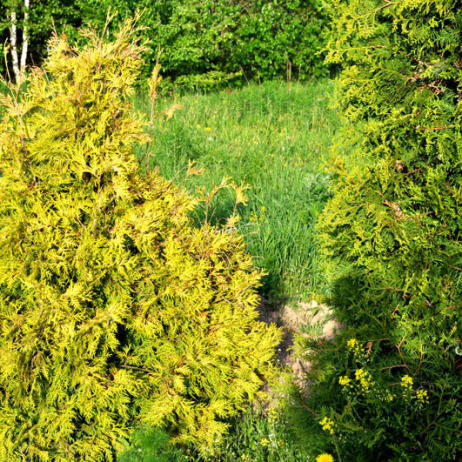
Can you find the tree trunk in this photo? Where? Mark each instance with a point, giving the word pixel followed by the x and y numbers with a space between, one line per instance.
pixel 25 42
pixel 14 45
pixel 19 65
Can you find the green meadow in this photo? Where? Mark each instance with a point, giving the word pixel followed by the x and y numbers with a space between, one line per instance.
pixel 273 137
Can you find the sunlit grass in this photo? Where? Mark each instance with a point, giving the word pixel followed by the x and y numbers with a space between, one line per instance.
pixel 275 139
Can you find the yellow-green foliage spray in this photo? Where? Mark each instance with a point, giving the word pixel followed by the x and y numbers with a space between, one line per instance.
pixel 115 310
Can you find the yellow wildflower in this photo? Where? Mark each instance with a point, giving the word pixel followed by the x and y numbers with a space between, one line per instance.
pixel 422 396
pixel 327 425
pixel 389 397
pixel 364 379
pixel 354 347
pixel 262 213
pixel 352 344
pixel 324 458
pixel 344 380
pixel 272 415
pixel 407 382
pixel 253 216
pixel 264 442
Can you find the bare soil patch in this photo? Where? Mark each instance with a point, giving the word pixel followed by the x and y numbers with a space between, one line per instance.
pixel 308 319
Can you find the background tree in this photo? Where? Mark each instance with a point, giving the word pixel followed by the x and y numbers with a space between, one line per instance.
pixel 17 21
pixel 205 43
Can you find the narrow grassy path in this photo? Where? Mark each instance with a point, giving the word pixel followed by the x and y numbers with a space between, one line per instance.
pixel 275 139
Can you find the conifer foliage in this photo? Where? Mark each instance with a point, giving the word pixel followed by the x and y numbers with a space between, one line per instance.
pixel 115 309
pixel 395 216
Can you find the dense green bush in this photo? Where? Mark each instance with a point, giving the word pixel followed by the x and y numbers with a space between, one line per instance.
pixel 115 310
pixel 259 39
pixel 206 42
pixel 392 233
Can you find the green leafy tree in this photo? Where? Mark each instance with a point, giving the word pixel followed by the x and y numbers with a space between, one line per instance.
pixel 392 231
pixel 205 42
pixel 277 39
pixel 220 39
pixel 115 310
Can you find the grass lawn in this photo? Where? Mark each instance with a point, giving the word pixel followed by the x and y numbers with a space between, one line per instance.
pixel 275 139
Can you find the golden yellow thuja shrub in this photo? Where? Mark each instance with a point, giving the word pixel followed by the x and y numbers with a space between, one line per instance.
pixel 115 310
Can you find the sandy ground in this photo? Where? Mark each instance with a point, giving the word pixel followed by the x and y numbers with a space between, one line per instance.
pixel 307 319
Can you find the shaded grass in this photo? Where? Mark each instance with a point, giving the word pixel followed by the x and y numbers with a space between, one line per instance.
pixel 275 139
pixel 253 437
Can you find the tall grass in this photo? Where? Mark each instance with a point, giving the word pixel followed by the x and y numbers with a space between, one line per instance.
pixel 274 138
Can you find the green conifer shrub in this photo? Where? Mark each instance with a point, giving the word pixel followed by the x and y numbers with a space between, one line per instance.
pixel 392 232
pixel 115 310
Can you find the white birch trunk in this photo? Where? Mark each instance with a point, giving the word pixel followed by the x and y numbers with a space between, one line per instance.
pixel 14 45
pixel 25 42
pixel 19 63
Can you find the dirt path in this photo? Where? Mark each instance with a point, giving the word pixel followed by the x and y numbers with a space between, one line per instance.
pixel 307 319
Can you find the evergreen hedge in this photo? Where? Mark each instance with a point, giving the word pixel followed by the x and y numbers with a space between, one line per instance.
pixel 391 234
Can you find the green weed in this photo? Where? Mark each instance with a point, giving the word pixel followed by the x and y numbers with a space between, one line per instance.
pixel 254 437
pixel 151 445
